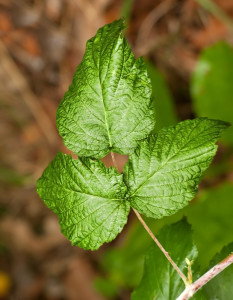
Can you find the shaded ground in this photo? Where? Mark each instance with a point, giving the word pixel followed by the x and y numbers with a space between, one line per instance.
pixel 41 43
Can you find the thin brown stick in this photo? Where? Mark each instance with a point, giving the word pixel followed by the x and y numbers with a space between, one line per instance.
pixel 114 160
pixel 215 10
pixel 181 274
pixel 20 85
pixel 199 283
pixel 153 16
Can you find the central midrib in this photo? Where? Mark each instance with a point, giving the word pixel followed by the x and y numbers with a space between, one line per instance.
pixel 105 110
pixel 105 116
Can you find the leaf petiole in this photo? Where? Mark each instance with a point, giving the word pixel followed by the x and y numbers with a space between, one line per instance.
pixel 181 274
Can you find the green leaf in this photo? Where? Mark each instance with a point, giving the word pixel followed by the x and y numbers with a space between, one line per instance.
pixel 221 286
pixel 87 197
pixel 163 173
pixel 127 7
pixel 124 264
pixel 211 85
pixel 213 211
pixel 160 280
pixel 106 287
pixel 108 106
pixel 162 99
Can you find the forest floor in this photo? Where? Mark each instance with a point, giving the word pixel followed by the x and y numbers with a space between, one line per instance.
pixel 41 44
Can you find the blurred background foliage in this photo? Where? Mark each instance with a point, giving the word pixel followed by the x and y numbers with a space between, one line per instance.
pixel 187 45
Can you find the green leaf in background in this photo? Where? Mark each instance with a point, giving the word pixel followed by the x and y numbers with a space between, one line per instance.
pixel 162 99
pixel 124 265
pixel 163 173
pixel 127 7
pixel 221 287
pixel 108 106
pixel 210 216
pixel 160 280
pixel 106 287
pixel 9 177
pixel 212 221
pixel 87 197
pixel 211 85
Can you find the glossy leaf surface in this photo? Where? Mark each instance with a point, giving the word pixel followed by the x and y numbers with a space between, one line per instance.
pixel 108 106
pixel 87 197
pixel 163 173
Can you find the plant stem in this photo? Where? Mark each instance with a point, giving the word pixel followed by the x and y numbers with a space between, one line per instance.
pixel 114 160
pixel 181 274
pixel 194 287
